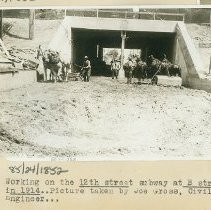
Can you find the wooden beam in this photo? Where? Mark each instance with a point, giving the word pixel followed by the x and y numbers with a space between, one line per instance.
pixel 31 23
pixel 210 18
pixel 1 24
pixel 4 49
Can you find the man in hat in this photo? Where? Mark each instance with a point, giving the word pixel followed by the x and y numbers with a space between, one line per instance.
pixel 115 67
pixel 86 69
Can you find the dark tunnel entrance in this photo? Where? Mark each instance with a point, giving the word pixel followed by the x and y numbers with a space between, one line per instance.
pixel 93 42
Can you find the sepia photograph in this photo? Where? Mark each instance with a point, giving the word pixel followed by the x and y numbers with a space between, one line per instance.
pixel 110 83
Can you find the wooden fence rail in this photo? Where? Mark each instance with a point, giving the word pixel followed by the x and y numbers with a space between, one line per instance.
pixel 125 14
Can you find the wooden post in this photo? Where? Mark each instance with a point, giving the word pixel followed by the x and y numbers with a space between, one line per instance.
pixel 31 23
pixel 210 18
pixel 4 49
pixel 1 24
pixel 98 49
pixel 126 15
pixel 121 71
pixel 123 36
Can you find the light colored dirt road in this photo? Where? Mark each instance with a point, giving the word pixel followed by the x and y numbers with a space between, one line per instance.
pixel 105 120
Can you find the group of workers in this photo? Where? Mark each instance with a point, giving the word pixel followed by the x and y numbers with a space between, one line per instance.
pixel 51 60
pixel 114 67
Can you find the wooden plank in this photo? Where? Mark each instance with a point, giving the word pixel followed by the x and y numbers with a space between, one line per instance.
pixel 210 18
pixel 8 70
pixel 4 49
pixel 126 13
pixel 1 24
pixel 31 23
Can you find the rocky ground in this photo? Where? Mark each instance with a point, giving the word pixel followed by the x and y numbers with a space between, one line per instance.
pixel 105 119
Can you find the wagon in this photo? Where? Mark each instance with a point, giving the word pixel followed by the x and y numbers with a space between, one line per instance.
pixel 152 79
pixel 75 76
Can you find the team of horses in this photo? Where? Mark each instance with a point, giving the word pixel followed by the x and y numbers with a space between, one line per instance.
pixel 58 67
pixel 140 69
pixel 152 67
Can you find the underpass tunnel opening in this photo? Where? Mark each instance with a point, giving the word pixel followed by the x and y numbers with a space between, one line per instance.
pixel 98 45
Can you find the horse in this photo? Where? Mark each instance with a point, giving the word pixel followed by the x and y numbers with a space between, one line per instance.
pixel 140 70
pixel 164 67
pixel 66 68
pixel 129 68
pixel 51 60
pixel 174 70
pixel 169 68
pixel 154 66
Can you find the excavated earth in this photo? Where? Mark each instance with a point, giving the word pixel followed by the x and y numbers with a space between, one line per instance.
pixel 104 119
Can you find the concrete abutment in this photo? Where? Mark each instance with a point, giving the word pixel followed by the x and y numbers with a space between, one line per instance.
pixel 166 36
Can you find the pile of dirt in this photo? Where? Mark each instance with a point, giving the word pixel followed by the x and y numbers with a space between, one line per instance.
pixel 19 33
pixel 23 50
pixel 200 33
pixel 201 36
pixel 107 119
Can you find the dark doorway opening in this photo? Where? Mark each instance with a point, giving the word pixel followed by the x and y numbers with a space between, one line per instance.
pixel 92 42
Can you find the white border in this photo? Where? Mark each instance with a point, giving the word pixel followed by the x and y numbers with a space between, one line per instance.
pixel 166 6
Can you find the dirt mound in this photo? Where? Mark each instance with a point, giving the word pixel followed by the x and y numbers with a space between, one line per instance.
pixel 201 36
pixel 107 119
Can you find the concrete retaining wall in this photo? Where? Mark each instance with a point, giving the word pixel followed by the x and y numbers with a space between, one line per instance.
pixel 200 84
pixel 10 80
pixel 188 58
pixel 186 54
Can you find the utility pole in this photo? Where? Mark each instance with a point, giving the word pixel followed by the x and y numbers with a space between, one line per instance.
pixel 1 24
pixel 31 23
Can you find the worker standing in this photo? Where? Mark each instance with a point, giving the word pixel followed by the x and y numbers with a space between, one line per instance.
pixel 86 69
